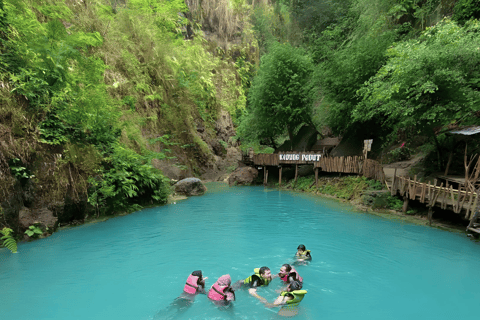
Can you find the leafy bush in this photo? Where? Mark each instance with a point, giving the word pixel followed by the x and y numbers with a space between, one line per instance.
pixel 465 10
pixel 127 179
pixel 33 231
pixel 374 184
pixel 18 170
pixel 398 154
pixel 394 203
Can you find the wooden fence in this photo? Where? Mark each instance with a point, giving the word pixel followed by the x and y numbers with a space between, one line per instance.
pixel 433 195
pixel 327 164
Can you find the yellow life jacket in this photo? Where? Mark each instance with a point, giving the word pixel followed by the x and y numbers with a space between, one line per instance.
pixel 257 273
pixel 298 296
pixel 304 253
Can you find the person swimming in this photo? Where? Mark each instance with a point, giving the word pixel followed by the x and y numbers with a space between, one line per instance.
pixel 221 293
pixel 261 278
pixel 302 253
pixel 194 285
pixel 289 299
pixel 288 274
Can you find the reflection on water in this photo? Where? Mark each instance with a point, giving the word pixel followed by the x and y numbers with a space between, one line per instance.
pixel 135 266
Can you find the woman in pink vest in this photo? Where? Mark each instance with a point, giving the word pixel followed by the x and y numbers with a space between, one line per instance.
pixel 221 293
pixel 195 283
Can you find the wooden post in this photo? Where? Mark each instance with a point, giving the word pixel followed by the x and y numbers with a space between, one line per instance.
pixel 316 177
pixel 449 161
pixel 475 213
pixel 280 176
pixel 264 175
pixel 414 188
pixel 393 190
pixel 296 173
pixel 405 203
pixel 430 215
pixel 475 207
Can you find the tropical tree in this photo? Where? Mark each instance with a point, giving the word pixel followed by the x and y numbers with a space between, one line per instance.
pixel 278 99
pixel 427 82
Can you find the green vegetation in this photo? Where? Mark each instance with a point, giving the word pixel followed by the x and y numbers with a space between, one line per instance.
pixel 427 82
pixel 8 240
pixel 393 70
pixel 33 231
pixel 352 188
pixel 278 96
pixel 91 94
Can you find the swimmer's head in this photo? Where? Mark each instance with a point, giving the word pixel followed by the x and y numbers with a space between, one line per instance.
pixel 265 272
pixel 295 285
pixel 301 247
pixel 285 269
pixel 224 280
pixel 197 273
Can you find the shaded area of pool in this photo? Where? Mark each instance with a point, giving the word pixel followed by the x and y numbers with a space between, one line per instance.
pixel 133 267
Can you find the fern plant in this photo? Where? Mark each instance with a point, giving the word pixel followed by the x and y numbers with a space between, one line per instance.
pixel 8 240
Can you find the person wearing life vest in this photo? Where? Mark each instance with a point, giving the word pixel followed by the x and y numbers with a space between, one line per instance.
pixel 221 293
pixel 289 300
pixel 260 278
pixel 195 283
pixel 288 274
pixel 302 253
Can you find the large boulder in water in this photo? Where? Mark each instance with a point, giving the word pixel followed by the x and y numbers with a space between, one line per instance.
pixel 190 187
pixel 243 175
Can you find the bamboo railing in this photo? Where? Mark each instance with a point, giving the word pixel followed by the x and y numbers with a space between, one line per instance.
pixel 446 198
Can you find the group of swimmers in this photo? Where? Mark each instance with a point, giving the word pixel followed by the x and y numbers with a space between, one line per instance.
pixel 222 292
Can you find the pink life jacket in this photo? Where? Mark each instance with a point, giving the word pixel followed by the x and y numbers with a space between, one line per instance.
pixel 216 292
pixel 191 285
pixel 285 278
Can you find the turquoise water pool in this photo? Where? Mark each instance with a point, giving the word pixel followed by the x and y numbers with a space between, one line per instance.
pixel 133 267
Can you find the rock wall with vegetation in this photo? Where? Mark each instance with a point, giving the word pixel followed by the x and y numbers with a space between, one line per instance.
pixel 101 100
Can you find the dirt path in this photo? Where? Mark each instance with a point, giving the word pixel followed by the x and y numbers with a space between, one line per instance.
pixel 403 167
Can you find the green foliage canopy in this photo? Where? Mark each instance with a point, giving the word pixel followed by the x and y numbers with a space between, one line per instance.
pixel 279 99
pixel 427 82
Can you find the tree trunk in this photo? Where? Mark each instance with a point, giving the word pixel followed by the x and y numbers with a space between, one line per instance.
pixel 439 154
pixel 290 135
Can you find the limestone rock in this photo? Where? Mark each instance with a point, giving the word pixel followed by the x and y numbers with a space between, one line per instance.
pixel 243 176
pixel 190 187
pixel 43 217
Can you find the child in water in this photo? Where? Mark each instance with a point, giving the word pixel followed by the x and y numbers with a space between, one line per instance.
pixel 302 254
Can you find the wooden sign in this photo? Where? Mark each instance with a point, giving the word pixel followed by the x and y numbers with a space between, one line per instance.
pixel 299 157
pixel 367 145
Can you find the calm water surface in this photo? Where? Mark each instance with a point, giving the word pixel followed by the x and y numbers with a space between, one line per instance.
pixel 133 267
